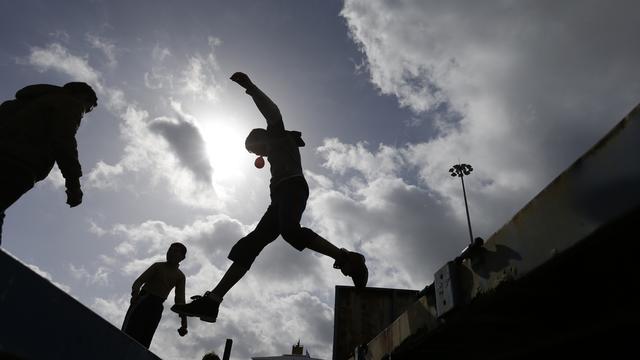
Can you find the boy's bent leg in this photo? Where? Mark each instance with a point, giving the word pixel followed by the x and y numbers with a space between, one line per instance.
pixel 235 272
pixel 292 201
pixel 351 264
pixel 245 250
pixel 321 245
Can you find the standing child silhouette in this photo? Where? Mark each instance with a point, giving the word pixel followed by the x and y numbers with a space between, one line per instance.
pixel 289 194
pixel 37 130
pixel 157 281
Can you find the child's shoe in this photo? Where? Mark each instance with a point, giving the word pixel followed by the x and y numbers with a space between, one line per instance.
pixel 353 264
pixel 204 307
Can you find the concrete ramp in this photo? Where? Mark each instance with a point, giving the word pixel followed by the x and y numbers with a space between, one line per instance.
pixel 40 321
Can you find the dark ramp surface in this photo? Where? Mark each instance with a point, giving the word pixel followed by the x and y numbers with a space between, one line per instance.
pixel 40 321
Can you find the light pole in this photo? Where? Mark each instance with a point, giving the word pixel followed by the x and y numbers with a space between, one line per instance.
pixel 461 170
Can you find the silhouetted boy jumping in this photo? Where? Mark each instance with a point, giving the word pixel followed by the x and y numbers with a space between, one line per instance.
pixel 37 129
pixel 145 311
pixel 289 193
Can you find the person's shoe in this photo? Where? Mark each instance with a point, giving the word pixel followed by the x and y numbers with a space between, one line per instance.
pixel 204 307
pixel 353 264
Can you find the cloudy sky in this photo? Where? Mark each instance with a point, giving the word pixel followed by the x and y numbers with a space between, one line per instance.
pixel 388 95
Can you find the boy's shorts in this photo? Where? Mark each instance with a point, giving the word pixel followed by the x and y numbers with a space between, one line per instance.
pixel 282 217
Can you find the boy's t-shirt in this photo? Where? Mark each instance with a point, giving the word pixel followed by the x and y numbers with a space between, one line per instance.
pixel 283 157
pixel 163 279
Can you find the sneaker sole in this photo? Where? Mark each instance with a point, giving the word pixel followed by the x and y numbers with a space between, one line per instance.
pixel 208 319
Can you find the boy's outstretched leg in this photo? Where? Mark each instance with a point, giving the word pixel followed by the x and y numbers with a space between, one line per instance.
pixel 206 306
pixel 350 263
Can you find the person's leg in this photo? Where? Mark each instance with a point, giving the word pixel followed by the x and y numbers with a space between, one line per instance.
pixel 323 246
pixel 292 201
pixel 243 254
pixel 142 319
pixel 152 319
pixel 235 272
pixel 13 184
pixel 128 315
pixel 245 251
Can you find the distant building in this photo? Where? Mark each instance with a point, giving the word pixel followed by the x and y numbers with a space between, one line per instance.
pixel 296 354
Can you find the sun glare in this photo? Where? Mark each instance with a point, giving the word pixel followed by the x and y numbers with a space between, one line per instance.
pixel 225 148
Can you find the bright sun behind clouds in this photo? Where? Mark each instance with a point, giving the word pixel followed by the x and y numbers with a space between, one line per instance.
pixel 225 149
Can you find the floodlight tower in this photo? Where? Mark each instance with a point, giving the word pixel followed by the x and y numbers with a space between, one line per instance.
pixel 460 170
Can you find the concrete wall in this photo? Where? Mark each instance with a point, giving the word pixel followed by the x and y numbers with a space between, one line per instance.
pixel 360 314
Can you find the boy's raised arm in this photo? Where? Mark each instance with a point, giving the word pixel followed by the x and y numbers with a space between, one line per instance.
pixel 267 107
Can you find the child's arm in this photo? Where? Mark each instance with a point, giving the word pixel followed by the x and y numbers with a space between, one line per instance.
pixel 143 278
pixel 267 107
pixel 179 299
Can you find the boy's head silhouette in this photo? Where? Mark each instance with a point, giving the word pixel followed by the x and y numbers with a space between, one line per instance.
pixel 210 356
pixel 176 253
pixel 83 92
pixel 256 142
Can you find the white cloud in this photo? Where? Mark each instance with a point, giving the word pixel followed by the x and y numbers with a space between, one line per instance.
pixel 187 144
pixel 160 53
pixel 107 47
pixel 196 79
pixel 144 150
pixel 100 277
pixel 138 266
pixel 522 79
pixel 57 57
pixel 60 35
pixel 104 176
pixel 112 309
pixel 55 178
pixel 199 79
pixel 340 157
pixel 96 229
pixel 518 90
pixel 211 235
pixel 159 76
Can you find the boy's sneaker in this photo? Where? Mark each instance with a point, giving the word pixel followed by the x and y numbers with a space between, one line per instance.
pixel 353 264
pixel 204 307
